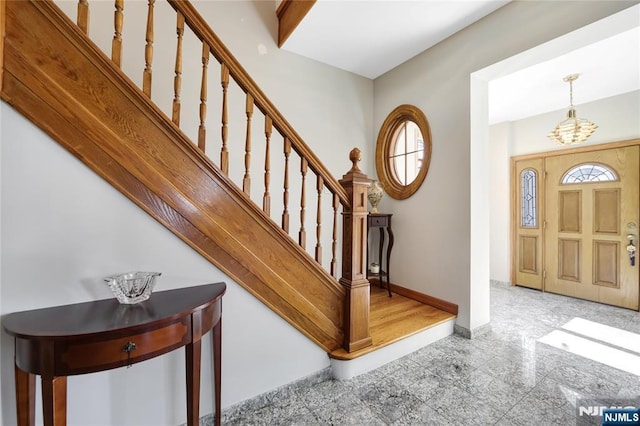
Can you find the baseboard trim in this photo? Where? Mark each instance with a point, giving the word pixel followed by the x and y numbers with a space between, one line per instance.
pixel 449 307
pixel 501 284
pixel 471 334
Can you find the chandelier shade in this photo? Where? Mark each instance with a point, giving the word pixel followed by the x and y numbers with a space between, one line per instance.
pixel 573 130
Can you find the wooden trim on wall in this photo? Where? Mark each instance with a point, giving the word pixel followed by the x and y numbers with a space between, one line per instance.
pixel 290 13
pixel 449 307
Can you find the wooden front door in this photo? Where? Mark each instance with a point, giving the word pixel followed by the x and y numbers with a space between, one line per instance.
pixel 586 223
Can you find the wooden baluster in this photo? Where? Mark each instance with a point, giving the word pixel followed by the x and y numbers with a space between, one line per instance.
pixel 177 80
pixel 116 43
pixel 266 198
pixel 302 235
pixel 319 188
pixel 202 130
pixel 83 16
pixel 246 181
pixel 285 195
pixel 224 153
pixel 334 237
pixel 148 52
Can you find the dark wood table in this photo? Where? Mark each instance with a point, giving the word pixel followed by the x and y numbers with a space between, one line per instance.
pixel 95 336
pixel 382 221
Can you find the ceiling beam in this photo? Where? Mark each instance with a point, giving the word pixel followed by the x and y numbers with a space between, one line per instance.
pixel 290 13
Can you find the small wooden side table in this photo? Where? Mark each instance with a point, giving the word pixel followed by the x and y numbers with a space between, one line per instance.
pixel 95 336
pixel 382 221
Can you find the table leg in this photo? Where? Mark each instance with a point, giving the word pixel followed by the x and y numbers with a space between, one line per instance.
pixel 54 400
pixel 380 246
pixel 217 370
pixel 389 247
pixel 192 351
pixel 25 397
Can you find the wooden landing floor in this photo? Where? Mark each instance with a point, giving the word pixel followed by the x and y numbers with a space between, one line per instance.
pixel 394 318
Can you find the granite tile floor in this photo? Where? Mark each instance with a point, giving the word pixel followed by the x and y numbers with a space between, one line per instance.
pixel 505 377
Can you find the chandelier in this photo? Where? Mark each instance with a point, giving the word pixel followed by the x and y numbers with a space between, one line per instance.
pixel 573 130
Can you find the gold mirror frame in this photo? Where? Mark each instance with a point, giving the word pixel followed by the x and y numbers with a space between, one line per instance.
pixel 385 142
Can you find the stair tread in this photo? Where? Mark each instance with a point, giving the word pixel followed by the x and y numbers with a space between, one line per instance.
pixel 393 319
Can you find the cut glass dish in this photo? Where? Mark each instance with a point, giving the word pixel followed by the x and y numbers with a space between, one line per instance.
pixel 132 287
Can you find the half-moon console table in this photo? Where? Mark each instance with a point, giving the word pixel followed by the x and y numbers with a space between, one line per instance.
pixel 95 336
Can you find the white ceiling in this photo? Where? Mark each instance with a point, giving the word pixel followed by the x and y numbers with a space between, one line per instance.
pixel 607 68
pixel 370 37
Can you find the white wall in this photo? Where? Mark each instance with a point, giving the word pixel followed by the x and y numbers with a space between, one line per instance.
pixel 500 196
pixel 443 228
pixel 64 229
pixel 617 117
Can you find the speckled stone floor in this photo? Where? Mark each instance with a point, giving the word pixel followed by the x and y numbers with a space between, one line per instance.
pixel 505 377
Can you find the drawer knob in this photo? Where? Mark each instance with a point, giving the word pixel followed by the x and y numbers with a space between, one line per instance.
pixel 128 348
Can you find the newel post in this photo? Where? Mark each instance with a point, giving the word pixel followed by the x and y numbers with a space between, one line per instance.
pixel 354 254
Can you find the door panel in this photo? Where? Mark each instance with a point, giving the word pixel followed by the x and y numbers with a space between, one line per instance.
pixel 605 263
pixel 570 215
pixel 585 237
pixel 569 259
pixel 606 211
pixel 528 261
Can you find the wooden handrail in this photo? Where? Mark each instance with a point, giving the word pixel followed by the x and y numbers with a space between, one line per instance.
pixel 202 30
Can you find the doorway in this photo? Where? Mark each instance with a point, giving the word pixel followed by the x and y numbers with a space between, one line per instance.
pixel 574 214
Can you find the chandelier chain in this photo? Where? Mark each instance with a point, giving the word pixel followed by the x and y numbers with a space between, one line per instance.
pixel 571 93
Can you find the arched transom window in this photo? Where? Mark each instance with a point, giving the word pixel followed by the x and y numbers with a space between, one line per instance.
pixel 589 172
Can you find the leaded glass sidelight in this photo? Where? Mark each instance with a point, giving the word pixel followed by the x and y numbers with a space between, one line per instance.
pixel 589 172
pixel 529 201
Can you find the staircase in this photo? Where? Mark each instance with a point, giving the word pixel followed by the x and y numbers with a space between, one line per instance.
pixel 54 74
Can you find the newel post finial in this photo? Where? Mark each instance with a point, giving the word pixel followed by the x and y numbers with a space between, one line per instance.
pixel 354 257
pixel 355 156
